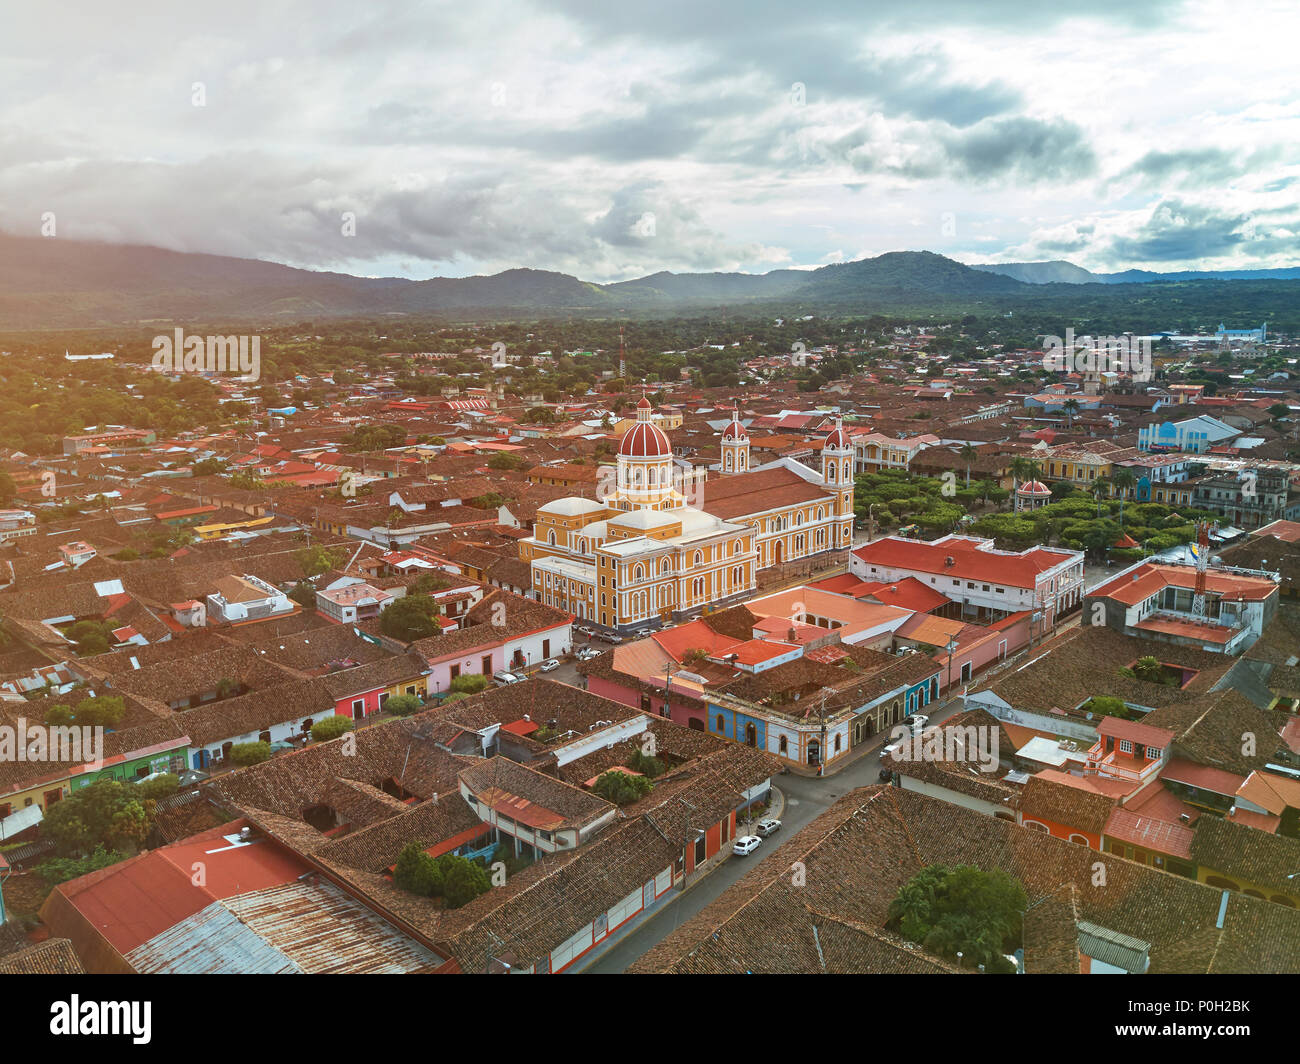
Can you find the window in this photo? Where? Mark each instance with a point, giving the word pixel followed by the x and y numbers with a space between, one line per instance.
pixel 1125 746
pixel 1034 825
pixel 721 722
pixel 783 746
pixel 1076 837
pixel 1153 752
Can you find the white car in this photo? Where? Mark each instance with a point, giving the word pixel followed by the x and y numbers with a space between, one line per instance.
pixel 587 653
pixel 549 665
pixel 918 723
pixel 746 844
pixel 769 825
pixel 506 678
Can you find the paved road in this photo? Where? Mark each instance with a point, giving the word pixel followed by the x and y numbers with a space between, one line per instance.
pixel 806 798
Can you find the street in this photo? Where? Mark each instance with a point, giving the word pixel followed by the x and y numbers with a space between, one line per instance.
pixel 806 798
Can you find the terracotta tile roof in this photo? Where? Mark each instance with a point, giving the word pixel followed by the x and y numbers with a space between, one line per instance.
pixel 865 847
pixel 1053 799
pixel 1237 850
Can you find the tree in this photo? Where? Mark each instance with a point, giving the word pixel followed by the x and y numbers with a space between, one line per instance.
pixel 304 594
pixel 968 455
pixel 91 637
pixel 469 683
pixel 505 460
pixel 8 489
pixel 620 788
pixel 646 764
pixel 1071 407
pixel 163 786
pixel 316 560
pixel 403 705
pixel 106 813
pixel 962 910
pixel 61 869
pixel 250 753
pixel 1022 469
pixel 409 618
pixel 1106 706
pixel 105 711
pixel 462 880
pixel 331 728
pixel 417 872
pixel 1123 479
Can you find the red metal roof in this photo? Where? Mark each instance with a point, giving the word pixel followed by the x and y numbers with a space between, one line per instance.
pixel 1160 835
pixel 970 562
pixel 1206 777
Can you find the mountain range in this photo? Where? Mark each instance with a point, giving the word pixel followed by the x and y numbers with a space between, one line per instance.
pixel 1059 271
pixel 57 283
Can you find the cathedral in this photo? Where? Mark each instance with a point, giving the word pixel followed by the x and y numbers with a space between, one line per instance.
pixel 661 542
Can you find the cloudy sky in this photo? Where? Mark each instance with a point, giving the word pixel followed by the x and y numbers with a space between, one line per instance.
pixel 610 139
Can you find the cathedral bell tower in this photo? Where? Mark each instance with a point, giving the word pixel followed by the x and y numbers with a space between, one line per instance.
pixel 735 446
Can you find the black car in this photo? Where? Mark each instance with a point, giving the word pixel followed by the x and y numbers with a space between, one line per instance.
pixel 885 775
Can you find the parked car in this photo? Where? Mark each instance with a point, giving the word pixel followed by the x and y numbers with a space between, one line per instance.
pixel 612 637
pixel 587 653
pixel 769 825
pixel 746 844
pixel 586 630
pixel 549 665
pixel 918 723
pixel 505 678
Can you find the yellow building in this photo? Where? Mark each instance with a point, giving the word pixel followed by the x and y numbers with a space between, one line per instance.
pixel 659 543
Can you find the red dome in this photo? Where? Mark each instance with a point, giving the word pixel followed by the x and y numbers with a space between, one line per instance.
pixel 644 440
pixel 644 404
pixel 734 431
pixel 838 438
pixel 1034 487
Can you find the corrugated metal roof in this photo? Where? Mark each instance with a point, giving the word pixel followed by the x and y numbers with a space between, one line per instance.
pixel 1112 947
pixel 296 928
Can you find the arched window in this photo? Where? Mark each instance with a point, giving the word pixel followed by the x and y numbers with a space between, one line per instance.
pixel 550 537
pixel 1076 837
pixel 699 558
pixel 783 747
pixel 728 461
pixel 640 573
pixel 1034 825
pixel 831 472
pixel 665 566
pixel 821 513
pixel 722 724
pixel 737 547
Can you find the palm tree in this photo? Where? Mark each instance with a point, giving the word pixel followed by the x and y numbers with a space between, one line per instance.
pixel 1122 478
pixel 968 455
pixel 1101 486
pixel 1022 468
pixel 1071 407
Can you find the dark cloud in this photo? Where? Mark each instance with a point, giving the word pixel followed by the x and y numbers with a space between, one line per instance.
pixel 1027 149
pixel 1197 167
pixel 1177 231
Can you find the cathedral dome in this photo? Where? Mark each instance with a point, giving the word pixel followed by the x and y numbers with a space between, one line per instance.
pixel 838 438
pixel 645 439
